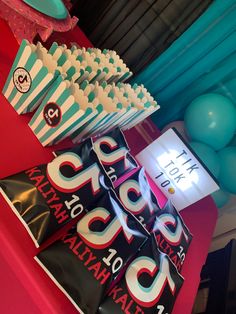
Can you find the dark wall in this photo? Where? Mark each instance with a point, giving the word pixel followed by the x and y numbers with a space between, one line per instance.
pixel 139 30
pixel 219 276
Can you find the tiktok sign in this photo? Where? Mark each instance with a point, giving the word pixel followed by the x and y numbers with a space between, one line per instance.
pixel 176 170
pixel 150 285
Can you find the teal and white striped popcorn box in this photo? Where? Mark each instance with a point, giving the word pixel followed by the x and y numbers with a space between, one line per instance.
pixel 117 106
pixel 92 70
pixel 56 50
pixel 121 69
pixel 81 133
pixel 88 110
pixel 147 111
pixel 123 107
pixel 143 101
pixel 63 110
pixel 32 73
pixel 105 112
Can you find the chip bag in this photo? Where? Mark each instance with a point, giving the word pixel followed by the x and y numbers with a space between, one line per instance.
pixel 48 196
pixel 172 235
pixel 113 152
pixel 137 197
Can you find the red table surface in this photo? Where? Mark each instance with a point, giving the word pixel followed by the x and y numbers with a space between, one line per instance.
pixel 24 287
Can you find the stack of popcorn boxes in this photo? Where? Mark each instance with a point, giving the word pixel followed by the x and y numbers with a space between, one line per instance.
pixel 77 93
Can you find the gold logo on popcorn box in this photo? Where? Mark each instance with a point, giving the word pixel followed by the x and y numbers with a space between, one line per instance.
pixel 22 80
pixel 176 170
pixel 52 114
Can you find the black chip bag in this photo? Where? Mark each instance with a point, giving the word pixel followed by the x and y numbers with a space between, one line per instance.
pixel 113 152
pixel 172 235
pixel 150 285
pixel 48 196
pixel 137 197
pixel 90 256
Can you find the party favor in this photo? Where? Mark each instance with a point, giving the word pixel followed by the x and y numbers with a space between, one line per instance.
pixel 137 197
pixel 64 109
pixel 103 118
pixel 113 152
pixel 30 76
pixel 172 235
pixel 150 285
pixel 90 256
pixel 48 196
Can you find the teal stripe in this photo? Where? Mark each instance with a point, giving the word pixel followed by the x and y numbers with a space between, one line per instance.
pixel 53 48
pixel 107 123
pixel 122 116
pixel 62 59
pixel 78 131
pixel 126 75
pixel 104 84
pixel 87 113
pixel 99 109
pixel 79 58
pixel 99 71
pixel 81 74
pixel 65 117
pixel 71 71
pixel 84 127
pixel 133 117
pixel 84 84
pixel 102 122
pixel 91 96
pixel 17 58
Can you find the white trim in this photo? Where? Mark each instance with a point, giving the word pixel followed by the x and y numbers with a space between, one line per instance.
pixel 54 154
pixel 19 216
pixel 58 284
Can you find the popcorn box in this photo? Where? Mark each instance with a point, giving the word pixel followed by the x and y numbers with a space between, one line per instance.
pixel 60 112
pixel 32 73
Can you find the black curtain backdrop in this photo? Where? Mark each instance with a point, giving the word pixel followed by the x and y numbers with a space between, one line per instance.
pixel 139 30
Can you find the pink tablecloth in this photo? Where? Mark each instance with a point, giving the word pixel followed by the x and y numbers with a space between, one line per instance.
pixel 25 22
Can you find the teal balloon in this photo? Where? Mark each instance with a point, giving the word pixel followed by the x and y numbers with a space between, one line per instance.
pixel 211 119
pixel 233 141
pixel 227 176
pixel 220 198
pixel 208 156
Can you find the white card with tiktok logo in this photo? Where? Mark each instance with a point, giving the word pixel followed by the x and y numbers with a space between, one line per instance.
pixel 176 170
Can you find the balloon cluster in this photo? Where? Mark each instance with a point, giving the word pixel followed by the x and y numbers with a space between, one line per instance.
pixel 210 124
